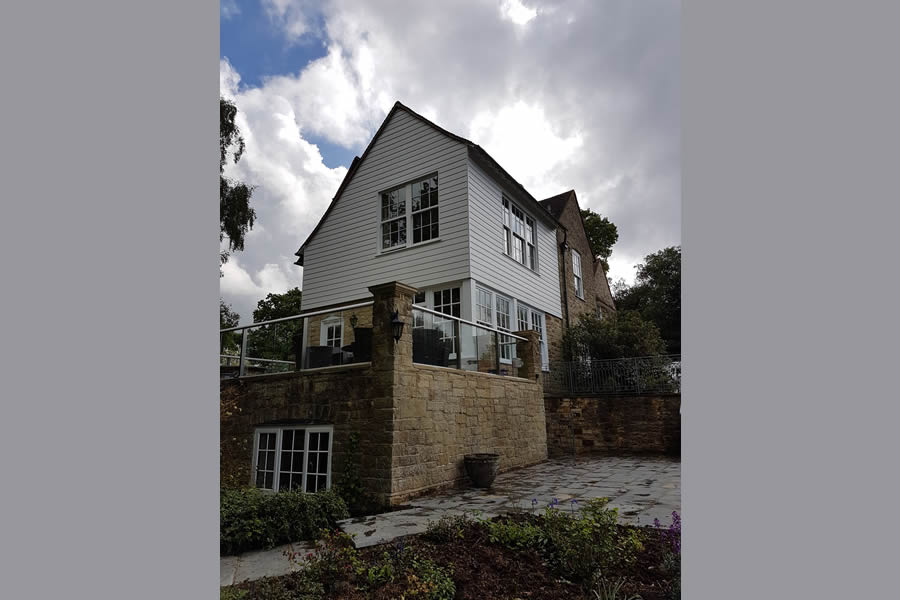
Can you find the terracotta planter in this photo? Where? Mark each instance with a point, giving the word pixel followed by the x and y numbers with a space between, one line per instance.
pixel 482 468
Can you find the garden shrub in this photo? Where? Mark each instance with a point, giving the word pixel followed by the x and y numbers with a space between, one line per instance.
pixel 429 581
pixel 447 528
pixel 251 519
pixel 515 536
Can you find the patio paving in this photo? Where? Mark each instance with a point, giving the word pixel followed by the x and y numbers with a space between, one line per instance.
pixel 641 487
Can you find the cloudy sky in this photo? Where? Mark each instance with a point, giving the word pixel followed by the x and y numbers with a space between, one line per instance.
pixel 564 94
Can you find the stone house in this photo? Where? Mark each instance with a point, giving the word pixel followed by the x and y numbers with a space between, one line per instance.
pixel 583 286
pixel 435 293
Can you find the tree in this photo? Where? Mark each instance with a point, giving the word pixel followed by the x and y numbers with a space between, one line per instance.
pixel 230 342
pixel 623 334
pixel 656 294
pixel 277 341
pixel 235 214
pixel 602 234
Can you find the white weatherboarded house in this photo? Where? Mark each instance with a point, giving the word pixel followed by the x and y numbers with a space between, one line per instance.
pixel 433 210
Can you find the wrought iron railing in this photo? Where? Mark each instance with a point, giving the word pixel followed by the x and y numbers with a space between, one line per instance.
pixel 444 340
pixel 641 375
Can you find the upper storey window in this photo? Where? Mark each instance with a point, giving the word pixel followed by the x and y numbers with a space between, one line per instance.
pixel 519 235
pixel 410 208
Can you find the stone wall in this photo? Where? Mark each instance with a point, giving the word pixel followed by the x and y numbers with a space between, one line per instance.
pixel 451 413
pixel 594 279
pixel 348 397
pixel 614 424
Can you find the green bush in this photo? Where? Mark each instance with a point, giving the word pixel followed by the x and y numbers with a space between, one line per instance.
pixel 429 581
pixel 251 519
pixel 516 536
pixel 447 528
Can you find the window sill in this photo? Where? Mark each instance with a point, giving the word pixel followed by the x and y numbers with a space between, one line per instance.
pixel 409 247
pixel 515 262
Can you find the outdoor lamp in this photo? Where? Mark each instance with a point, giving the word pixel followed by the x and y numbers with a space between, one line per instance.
pixel 396 325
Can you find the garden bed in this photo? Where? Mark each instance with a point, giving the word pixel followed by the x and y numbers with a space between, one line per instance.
pixel 552 555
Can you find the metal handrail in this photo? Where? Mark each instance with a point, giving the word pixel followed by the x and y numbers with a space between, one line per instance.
pixel 299 316
pixel 461 320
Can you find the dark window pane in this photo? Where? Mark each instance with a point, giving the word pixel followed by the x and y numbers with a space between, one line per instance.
pixel 260 479
pixel 322 483
pixel 285 462
pixel 313 440
pixel 270 479
pixel 286 439
pixel 323 441
pixel 298 440
pixel 312 463
pixel 284 482
pixel 310 483
pixel 456 294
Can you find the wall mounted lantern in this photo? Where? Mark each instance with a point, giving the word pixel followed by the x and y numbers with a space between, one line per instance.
pixel 396 325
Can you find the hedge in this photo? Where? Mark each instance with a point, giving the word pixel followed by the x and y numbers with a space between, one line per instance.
pixel 251 519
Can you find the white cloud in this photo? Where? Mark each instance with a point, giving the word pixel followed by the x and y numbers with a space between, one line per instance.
pixel 523 141
pixel 229 9
pixel 293 17
pixel 517 12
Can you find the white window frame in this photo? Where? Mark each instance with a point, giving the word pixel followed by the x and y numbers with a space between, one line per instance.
pixel 510 348
pixel 577 274
pixel 517 230
pixel 484 294
pixel 530 314
pixel 442 323
pixel 406 191
pixel 279 430
pixel 323 330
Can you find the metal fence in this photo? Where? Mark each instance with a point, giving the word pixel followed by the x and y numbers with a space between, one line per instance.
pixel 641 375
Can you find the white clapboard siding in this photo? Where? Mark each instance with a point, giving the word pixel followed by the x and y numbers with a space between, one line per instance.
pixel 491 267
pixel 343 258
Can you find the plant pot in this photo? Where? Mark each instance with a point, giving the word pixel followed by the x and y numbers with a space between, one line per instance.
pixel 482 468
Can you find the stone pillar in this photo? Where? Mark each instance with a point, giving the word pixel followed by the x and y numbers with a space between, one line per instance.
pixel 389 356
pixel 392 369
pixel 530 353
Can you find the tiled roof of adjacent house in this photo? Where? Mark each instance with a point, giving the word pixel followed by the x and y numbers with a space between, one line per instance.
pixel 555 204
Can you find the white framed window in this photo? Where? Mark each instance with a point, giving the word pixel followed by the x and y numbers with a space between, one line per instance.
pixel 504 320
pixel 528 318
pixel 484 306
pixel 410 207
pixel 418 316
pixel 331 332
pixel 519 233
pixel 599 312
pixel 537 323
pixel 447 301
pixel 292 457
pixel 576 273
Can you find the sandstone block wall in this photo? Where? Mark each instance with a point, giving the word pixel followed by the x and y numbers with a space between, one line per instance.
pixel 347 397
pixel 614 424
pixel 450 413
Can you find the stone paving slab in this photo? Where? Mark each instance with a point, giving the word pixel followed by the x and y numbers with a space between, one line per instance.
pixel 259 564
pixel 642 488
